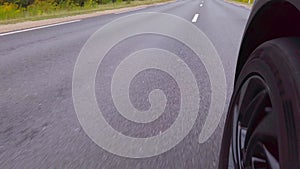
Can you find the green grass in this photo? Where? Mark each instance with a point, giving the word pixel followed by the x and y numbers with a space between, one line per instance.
pixel 10 14
pixel 246 2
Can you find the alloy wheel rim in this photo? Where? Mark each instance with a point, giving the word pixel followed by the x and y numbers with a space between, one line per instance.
pixel 254 141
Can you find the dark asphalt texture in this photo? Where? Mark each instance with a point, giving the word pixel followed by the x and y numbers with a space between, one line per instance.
pixel 38 124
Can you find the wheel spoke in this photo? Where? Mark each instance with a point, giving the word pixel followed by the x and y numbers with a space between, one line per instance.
pixel 256 111
pixel 258 104
pixel 274 163
pixel 263 141
pixel 266 159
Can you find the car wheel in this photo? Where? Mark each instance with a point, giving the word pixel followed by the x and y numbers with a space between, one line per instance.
pixel 262 125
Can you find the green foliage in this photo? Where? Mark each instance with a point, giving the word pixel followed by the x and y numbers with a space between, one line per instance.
pixel 16 9
pixel 11 9
pixel 245 1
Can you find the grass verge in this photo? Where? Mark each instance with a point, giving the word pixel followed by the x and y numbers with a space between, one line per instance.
pixel 242 2
pixel 65 13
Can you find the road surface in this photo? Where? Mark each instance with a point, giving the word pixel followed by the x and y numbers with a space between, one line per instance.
pixel 38 124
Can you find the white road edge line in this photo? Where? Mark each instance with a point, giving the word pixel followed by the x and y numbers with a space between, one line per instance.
pixel 39 27
pixel 195 18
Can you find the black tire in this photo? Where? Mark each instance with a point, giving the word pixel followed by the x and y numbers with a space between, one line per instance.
pixel 263 120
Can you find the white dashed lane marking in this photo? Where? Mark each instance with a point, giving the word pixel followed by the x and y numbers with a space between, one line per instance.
pixel 195 18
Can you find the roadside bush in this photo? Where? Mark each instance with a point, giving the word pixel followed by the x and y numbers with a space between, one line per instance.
pixel 245 1
pixel 40 7
pixel 91 4
pixel 8 10
pixel 12 9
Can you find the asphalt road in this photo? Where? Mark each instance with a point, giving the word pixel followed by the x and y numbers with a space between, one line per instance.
pixel 38 124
